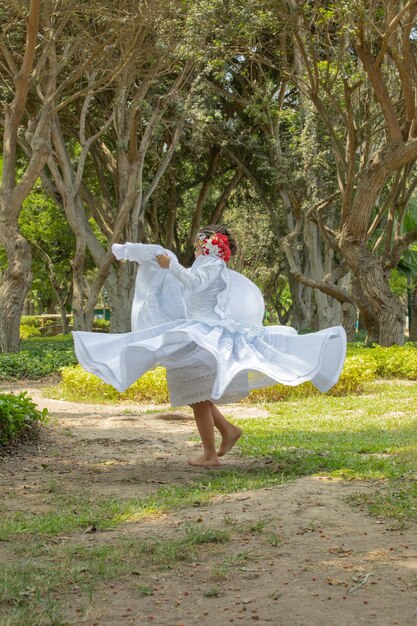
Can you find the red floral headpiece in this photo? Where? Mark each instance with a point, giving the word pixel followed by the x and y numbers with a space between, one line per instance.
pixel 215 244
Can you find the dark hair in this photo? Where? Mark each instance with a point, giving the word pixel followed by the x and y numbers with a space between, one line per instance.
pixel 217 228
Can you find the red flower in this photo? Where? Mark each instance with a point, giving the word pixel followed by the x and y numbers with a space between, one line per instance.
pixel 218 245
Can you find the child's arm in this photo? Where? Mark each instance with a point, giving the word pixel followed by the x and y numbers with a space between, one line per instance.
pixel 197 281
pixel 139 252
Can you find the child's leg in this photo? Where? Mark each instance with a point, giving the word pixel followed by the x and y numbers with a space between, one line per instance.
pixel 229 432
pixel 205 425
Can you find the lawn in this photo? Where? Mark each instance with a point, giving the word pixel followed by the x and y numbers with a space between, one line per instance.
pixel 370 437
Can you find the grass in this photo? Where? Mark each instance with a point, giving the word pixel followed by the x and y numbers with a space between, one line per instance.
pixel 371 437
pixel 397 501
pixel 37 586
pixel 357 437
pixel 80 513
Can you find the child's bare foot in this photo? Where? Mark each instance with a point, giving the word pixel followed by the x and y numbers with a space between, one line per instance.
pixel 203 461
pixel 229 440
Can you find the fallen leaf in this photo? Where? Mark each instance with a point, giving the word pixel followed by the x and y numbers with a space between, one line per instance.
pixel 335 581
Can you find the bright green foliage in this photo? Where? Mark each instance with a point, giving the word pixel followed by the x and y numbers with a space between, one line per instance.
pixel 29 331
pixel 19 416
pixel 30 326
pixel 362 365
pixel 396 362
pixel 37 325
pixel 38 358
pixel 392 362
pixel 45 226
pixel 31 320
pixel 102 325
pixel 358 369
pixel 79 385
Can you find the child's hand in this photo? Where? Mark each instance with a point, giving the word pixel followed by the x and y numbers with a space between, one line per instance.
pixel 163 260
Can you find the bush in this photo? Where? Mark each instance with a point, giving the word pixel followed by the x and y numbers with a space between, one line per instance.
pixel 279 392
pixel 38 358
pixel 358 369
pixel 102 325
pixel 31 320
pixel 19 416
pixel 29 331
pixel 78 385
pixel 48 324
pixel 40 344
pixel 396 362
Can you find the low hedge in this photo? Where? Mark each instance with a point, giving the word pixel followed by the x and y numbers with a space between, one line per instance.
pixel 393 362
pixel 38 358
pixel 77 384
pixel 51 326
pixel 19 417
pixel 27 331
pixel 358 370
pixel 41 357
pixel 35 321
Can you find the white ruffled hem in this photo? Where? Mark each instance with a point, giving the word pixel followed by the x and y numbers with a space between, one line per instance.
pixel 215 362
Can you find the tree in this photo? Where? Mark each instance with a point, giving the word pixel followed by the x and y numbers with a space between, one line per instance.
pixel 113 146
pixel 359 73
pixel 257 118
pixel 17 277
pixel 43 224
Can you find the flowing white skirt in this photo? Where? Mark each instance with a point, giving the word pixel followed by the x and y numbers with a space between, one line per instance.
pixel 206 361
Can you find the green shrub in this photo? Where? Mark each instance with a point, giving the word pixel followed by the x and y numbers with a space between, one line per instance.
pixel 29 331
pixel 49 324
pixel 102 325
pixel 31 320
pixel 358 369
pixel 40 344
pixel 79 385
pixel 279 392
pixel 392 362
pixel 38 358
pixel 396 362
pixel 19 416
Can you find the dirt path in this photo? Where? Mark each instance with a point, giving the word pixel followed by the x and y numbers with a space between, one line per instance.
pixel 317 562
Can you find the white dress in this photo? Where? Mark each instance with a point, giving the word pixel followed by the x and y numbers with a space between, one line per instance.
pixel 204 325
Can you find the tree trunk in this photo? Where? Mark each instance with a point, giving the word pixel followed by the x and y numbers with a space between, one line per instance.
pixel 120 291
pixel 328 310
pixel 17 278
pixel 301 310
pixel 392 324
pixel 413 323
pixel 349 317
pixel 80 322
pixel 64 320
pixel 13 290
pixel 383 313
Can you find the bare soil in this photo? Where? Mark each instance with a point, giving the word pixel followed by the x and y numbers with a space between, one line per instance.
pixel 333 565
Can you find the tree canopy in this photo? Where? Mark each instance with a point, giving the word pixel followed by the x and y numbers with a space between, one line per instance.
pixel 293 122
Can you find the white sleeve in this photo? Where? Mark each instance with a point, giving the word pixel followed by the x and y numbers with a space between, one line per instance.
pixel 196 281
pixel 142 252
pixel 118 250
